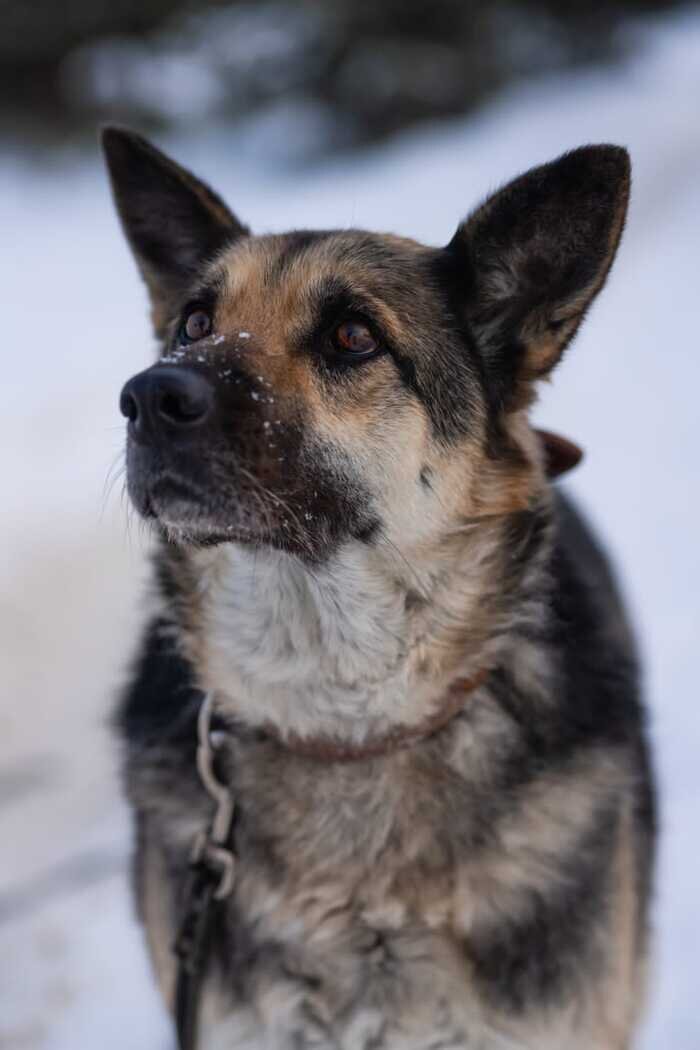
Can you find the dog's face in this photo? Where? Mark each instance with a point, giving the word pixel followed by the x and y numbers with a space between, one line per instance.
pixel 317 387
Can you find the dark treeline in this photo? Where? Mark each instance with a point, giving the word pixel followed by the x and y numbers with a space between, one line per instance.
pixel 360 70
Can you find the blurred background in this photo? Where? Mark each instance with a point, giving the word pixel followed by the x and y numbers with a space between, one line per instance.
pixel 395 115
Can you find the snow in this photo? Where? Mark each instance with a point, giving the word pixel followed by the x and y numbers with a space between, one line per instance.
pixel 71 561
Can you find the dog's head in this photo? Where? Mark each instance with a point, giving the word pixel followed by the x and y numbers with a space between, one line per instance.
pixel 316 387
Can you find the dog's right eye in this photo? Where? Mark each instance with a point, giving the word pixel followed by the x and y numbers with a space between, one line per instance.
pixel 354 340
pixel 197 325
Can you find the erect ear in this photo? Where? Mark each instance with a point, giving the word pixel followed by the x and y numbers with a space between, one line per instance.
pixel 173 222
pixel 532 258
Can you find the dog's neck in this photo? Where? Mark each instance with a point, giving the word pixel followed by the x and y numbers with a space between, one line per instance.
pixel 351 650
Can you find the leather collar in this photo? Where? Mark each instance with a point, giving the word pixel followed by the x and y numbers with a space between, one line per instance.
pixel 332 749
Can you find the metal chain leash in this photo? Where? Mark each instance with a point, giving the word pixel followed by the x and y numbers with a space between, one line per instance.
pixel 210 881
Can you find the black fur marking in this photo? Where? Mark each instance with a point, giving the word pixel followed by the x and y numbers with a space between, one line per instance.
pixel 457 274
pixel 535 959
pixel 367 532
pixel 598 680
pixel 406 369
pixel 414 601
pixel 295 244
pixel 425 477
pixel 646 817
pixel 162 699
pixel 456 379
pixel 525 534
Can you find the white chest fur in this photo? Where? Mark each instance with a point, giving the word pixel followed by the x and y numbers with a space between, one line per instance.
pixel 327 651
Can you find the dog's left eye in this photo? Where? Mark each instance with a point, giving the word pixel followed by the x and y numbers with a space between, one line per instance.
pixel 197 325
pixel 354 339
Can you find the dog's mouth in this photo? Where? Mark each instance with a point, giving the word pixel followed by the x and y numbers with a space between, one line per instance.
pixel 182 509
pixel 167 492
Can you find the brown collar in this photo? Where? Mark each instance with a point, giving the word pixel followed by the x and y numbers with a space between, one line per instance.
pixel 331 749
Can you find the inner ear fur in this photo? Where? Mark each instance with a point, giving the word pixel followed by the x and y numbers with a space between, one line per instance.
pixel 173 221
pixel 533 256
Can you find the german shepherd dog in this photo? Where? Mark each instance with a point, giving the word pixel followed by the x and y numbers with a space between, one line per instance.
pixel 424 681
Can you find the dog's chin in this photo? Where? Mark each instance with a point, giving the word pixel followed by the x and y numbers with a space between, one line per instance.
pixel 193 526
pixel 188 522
pixel 176 509
pixel 181 512
pixel 199 531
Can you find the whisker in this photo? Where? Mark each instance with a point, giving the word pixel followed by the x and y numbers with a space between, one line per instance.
pixel 419 583
pixel 115 472
pixel 261 490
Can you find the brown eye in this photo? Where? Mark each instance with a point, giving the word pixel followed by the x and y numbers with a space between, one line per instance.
pixel 197 325
pixel 353 337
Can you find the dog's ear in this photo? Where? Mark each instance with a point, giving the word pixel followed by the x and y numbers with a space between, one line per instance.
pixel 173 222
pixel 532 257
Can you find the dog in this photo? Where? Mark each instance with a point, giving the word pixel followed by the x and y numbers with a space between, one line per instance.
pixel 423 684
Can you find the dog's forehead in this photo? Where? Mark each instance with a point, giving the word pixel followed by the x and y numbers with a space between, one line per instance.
pixel 294 269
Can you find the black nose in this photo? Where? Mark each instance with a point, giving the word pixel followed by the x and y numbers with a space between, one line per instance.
pixel 166 399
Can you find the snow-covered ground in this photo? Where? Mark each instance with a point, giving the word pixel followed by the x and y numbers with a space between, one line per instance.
pixel 73 328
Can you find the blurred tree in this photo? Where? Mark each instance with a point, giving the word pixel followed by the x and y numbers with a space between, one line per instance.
pixel 359 70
